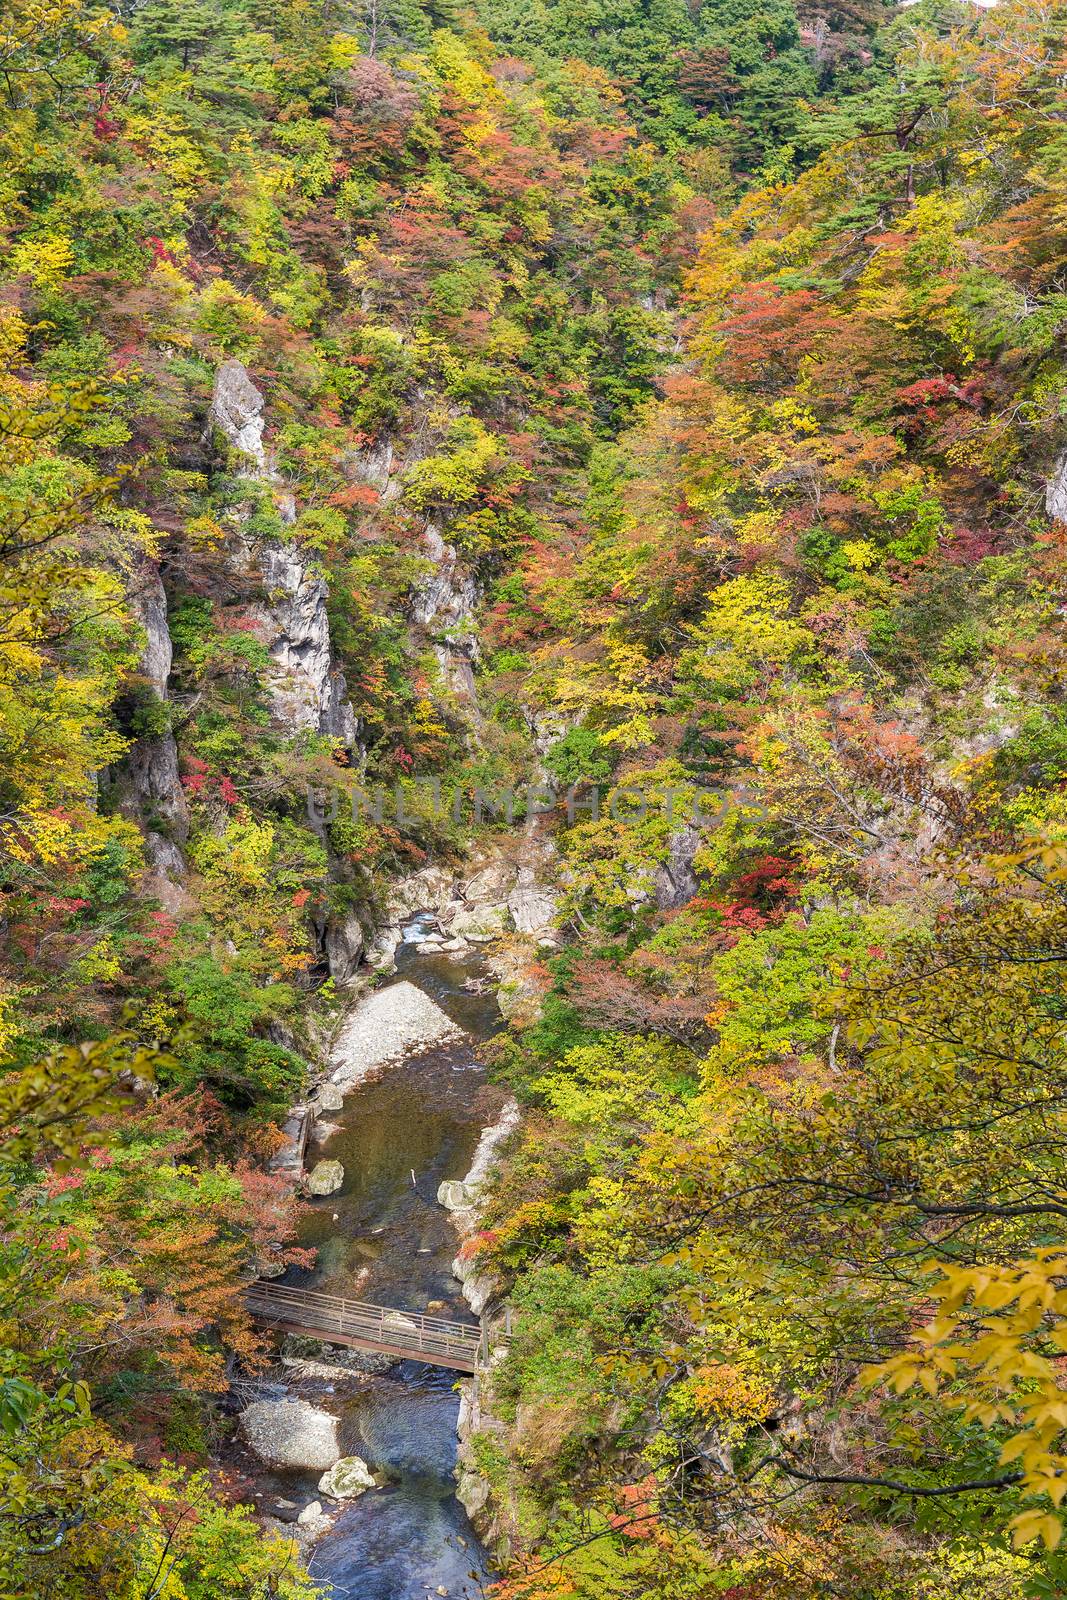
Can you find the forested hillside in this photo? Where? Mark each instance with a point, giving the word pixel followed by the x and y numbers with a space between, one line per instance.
pixel 663 403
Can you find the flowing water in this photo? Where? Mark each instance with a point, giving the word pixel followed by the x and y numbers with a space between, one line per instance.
pixel 383 1237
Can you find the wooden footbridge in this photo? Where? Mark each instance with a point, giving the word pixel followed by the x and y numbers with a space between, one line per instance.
pixel 408 1335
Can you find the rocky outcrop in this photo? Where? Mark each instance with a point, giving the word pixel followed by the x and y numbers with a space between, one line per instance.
pixel 460 1196
pixel 344 940
pixel 444 604
pixel 287 601
pixel 1056 492
pixel 676 881
pixel 288 1161
pixel 237 407
pixel 291 1433
pixel 306 686
pixel 504 889
pixel 153 796
pixel 374 465
pixel 472 1490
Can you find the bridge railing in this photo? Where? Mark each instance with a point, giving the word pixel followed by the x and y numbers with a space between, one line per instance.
pixel 415 1333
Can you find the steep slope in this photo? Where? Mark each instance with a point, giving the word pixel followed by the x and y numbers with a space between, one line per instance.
pixel 672 404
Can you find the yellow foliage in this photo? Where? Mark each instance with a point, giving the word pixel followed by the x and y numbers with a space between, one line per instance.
pixel 46 261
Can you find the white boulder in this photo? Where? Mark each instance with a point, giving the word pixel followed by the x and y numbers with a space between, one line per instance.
pixel 328 1097
pixel 346 1479
pixel 454 1195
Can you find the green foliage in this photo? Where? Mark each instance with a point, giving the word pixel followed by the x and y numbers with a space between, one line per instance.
pixel 223 1045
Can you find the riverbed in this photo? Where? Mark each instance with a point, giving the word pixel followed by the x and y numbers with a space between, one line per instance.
pixel 384 1237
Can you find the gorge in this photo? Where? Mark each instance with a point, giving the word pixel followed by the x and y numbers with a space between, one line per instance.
pixel 533 790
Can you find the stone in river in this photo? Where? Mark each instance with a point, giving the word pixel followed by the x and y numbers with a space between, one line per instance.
pixel 454 1195
pixel 325 1177
pixel 328 1097
pixel 346 1479
pixel 396 1322
pixel 310 1513
pixel 291 1433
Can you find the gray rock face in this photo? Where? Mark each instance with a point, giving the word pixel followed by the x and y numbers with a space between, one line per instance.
pixel 150 605
pixel 153 768
pixel 307 688
pixel 374 466
pixel 532 906
pixel 345 943
pixel 472 1492
pixel 446 597
pixel 155 797
pixel 346 1479
pixel 480 924
pixel 325 1177
pixel 298 636
pixel 1056 492
pixel 479 1288
pixel 291 1433
pixel 237 408
pixel 676 881
pixel 444 604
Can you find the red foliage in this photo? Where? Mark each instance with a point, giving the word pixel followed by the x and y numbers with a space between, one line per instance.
pixel 635 1517
pixel 768 332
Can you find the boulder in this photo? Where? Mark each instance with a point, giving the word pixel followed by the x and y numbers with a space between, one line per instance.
pixel 345 943
pixel 346 1479
pixel 396 1322
pixel 325 1177
pixel 291 1433
pixel 454 1195
pixel 533 908
pixel 328 1097
pixel 381 952
pixel 319 1371
pixel 480 924
pixel 310 1513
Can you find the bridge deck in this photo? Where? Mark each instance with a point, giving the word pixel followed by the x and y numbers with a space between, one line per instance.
pixel 411 1335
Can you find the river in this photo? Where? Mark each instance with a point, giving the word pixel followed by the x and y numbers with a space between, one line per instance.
pixel 383 1237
